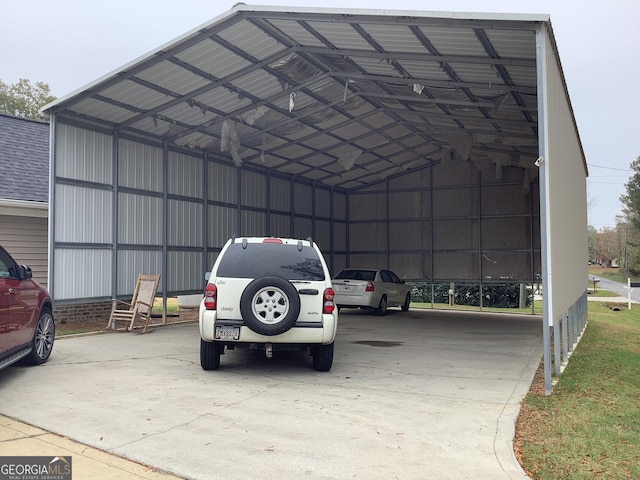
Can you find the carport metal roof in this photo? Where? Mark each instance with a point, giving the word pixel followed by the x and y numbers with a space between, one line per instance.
pixel 342 97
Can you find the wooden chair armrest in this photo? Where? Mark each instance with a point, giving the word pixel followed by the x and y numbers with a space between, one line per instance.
pixel 150 307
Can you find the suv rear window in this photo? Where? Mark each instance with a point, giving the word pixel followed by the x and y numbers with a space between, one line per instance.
pixel 259 259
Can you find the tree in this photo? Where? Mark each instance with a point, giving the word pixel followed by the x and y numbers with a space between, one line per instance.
pixel 593 240
pixel 631 221
pixel 24 99
pixel 607 246
pixel 632 198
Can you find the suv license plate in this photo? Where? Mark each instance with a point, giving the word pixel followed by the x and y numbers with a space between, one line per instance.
pixel 225 332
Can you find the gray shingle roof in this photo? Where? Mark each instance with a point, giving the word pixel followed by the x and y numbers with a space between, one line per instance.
pixel 24 159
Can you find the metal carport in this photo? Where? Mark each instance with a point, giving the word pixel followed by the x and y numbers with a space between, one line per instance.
pixel 431 143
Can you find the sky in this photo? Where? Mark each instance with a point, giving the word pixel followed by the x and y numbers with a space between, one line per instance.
pixel 70 43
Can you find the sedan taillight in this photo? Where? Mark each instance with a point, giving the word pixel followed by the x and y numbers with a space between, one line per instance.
pixel 210 296
pixel 328 305
pixel 369 287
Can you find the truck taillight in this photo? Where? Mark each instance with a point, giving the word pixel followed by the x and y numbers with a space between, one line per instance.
pixel 369 287
pixel 210 296
pixel 328 304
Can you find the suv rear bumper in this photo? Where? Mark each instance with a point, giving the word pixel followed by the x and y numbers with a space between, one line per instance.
pixel 323 332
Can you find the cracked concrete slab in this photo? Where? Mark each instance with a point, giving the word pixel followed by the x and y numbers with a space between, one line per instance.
pixel 422 394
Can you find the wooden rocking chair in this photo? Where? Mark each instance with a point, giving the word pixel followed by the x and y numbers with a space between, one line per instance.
pixel 140 306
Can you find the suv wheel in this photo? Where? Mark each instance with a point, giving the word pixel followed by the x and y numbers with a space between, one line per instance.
pixel 270 305
pixel 210 354
pixel 323 357
pixel 42 342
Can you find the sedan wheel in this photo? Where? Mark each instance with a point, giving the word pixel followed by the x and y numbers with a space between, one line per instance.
pixel 407 301
pixel 382 308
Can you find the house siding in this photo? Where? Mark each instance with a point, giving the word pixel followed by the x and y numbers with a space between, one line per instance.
pixel 25 238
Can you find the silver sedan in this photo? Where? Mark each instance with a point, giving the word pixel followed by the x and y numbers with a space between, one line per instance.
pixel 370 288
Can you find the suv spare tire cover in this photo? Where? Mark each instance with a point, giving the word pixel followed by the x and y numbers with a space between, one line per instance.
pixel 270 305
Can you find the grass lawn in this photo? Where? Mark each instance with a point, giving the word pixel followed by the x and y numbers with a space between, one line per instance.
pixel 589 428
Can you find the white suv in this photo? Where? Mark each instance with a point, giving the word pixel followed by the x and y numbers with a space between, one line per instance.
pixel 272 294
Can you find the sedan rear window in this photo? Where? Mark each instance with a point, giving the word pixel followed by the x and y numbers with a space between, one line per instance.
pixel 259 259
pixel 368 275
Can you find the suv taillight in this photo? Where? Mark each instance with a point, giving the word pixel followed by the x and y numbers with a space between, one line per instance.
pixel 328 305
pixel 210 296
pixel 369 287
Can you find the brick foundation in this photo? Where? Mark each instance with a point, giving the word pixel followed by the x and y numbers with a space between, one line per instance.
pixel 82 312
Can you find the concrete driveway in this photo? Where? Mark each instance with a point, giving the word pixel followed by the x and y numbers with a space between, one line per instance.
pixel 416 395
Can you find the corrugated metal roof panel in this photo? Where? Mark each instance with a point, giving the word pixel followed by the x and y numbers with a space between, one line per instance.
pixel 287 89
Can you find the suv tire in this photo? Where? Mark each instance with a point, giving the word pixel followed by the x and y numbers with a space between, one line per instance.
pixel 43 337
pixel 323 357
pixel 270 305
pixel 210 354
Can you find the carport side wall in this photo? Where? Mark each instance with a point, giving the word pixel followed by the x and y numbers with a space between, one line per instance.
pixel 450 222
pixel 124 206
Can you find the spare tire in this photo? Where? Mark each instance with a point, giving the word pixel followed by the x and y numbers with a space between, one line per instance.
pixel 270 305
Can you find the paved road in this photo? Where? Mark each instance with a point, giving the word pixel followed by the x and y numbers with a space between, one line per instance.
pixel 616 287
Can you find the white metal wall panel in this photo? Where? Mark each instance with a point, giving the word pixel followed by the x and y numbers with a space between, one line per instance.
pixel 508 266
pixel 458 265
pixel 407 236
pixel 185 175
pixel 322 234
pixel 83 154
pixel 339 262
pixel 280 225
pixel 140 219
pixel 302 227
pixel 184 271
pixel 493 200
pixel 140 166
pixel 82 215
pixel 323 203
pixel 222 183
pixel 359 260
pixel 303 199
pixel 26 239
pixel 370 206
pixel 133 262
pixel 253 224
pixel 339 206
pixel 410 265
pixel 339 236
pixel 184 224
pixel 456 202
pixel 456 234
pixel 368 236
pixel 409 204
pixel 223 224
pixel 253 189
pixel 280 194
pixel 565 188
pixel 506 233
pixel 82 273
